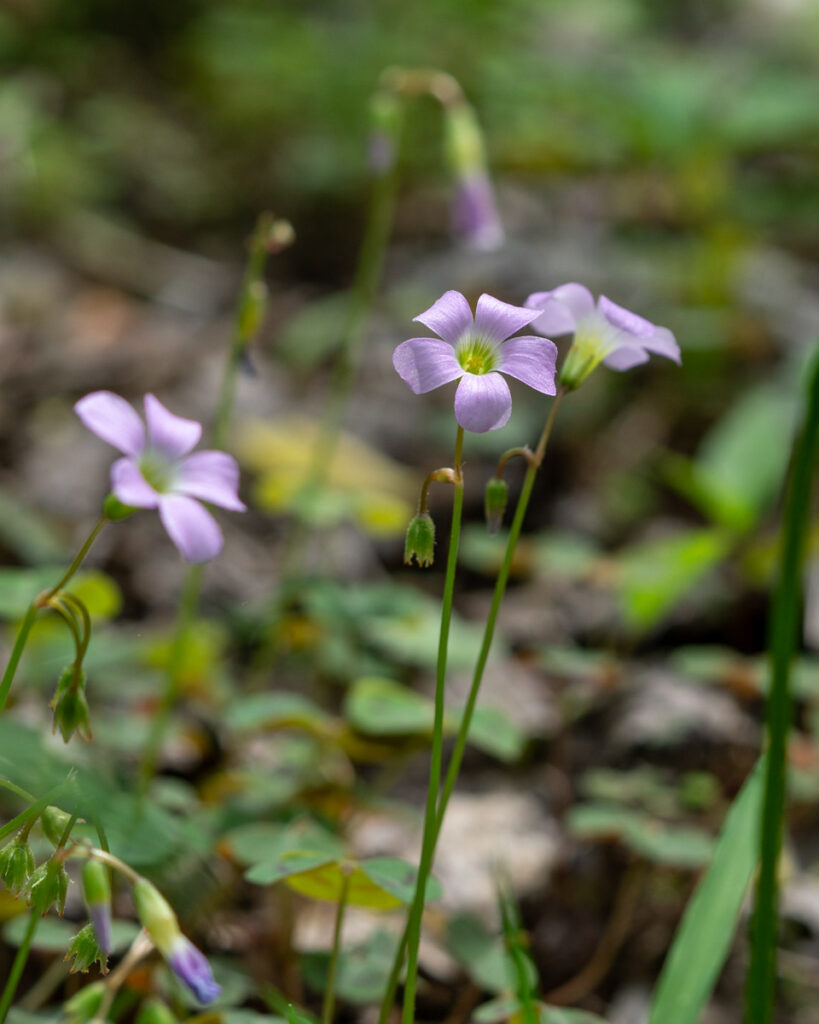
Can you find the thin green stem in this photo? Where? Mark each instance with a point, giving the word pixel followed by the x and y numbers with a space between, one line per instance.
pixel 40 602
pixel 16 653
pixel 17 967
pixel 328 1007
pixel 486 643
pixel 188 607
pixel 785 621
pixel 436 756
pixel 30 813
pixel 12 787
pixel 92 536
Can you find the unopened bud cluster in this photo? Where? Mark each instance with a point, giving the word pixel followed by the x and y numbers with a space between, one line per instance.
pixel 420 542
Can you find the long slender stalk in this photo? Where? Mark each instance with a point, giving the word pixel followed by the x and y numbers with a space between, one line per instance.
pixel 456 758
pixel 436 757
pixel 38 603
pixel 30 813
pixel 19 963
pixel 329 1005
pixel 784 634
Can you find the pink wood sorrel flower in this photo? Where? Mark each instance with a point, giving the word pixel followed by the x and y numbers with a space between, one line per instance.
pixel 605 332
pixel 158 472
pixel 476 352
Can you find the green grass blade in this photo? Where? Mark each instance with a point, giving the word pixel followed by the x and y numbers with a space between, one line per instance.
pixel 704 936
pixel 785 628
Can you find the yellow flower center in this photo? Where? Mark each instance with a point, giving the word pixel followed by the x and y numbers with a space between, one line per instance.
pixel 476 354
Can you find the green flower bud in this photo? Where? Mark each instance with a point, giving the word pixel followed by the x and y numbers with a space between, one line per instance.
pixel 156 915
pixel 54 822
pixel 113 508
pixel 16 864
pixel 48 885
pixel 70 706
pixel 497 492
pixel 154 1011
pixel 464 140
pixel 85 951
pixel 83 1005
pixel 97 894
pixel 420 543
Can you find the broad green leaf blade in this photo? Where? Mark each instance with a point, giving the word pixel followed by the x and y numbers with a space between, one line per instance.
pixel 381 707
pixel 397 877
pixel 704 936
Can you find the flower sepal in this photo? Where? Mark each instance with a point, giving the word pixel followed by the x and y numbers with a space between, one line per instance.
pixel 48 885
pixel 85 951
pixel 420 542
pixel 495 498
pixel 16 864
pixel 70 706
pixel 115 510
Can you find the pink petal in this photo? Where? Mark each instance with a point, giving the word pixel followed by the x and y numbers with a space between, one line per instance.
pixel 131 487
pixel 624 320
pixel 212 476
pixel 450 317
pixel 663 343
pixel 113 420
pixel 426 363
pixel 498 320
pixel 531 360
pixel 561 309
pixel 625 356
pixel 482 402
pixel 191 527
pixel 171 435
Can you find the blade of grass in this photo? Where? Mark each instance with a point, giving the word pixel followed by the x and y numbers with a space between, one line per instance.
pixel 784 631
pixel 704 937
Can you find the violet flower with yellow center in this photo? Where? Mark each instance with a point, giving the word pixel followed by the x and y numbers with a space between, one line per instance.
pixel 476 351
pixel 603 332
pixel 158 472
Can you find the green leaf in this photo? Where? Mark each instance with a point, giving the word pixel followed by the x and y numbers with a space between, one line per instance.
pixel 653 575
pixel 363 971
pixel 265 842
pixel 482 954
pixel 275 711
pixel 676 845
pixel 494 732
pixel 398 877
pixel 704 936
pixel 381 707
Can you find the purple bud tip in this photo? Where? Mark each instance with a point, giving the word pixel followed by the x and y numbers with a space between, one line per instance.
pixel 475 215
pixel 192 967
pixel 100 915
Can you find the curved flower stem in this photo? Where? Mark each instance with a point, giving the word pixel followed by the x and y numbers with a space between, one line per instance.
pixel 328 1007
pixel 466 719
pixel 436 757
pixel 43 599
pixel 18 965
pixel 40 602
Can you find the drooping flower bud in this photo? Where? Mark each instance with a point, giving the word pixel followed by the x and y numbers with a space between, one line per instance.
pixel 54 822
pixel 474 213
pixel 385 118
pixel 96 889
pixel 16 864
pixel 183 958
pixel 70 706
pixel 85 951
pixel 48 886
pixel 420 542
pixel 83 1005
pixel 495 498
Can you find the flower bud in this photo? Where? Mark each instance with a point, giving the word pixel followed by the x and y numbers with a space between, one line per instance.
pixel 97 894
pixel 154 1011
pixel 385 117
pixel 16 864
pixel 85 951
pixel 420 542
pixel 70 706
pixel 183 958
pixel 114 509
pixel 48 885
pixel 497 492
pixel 83 1005
pixel 474 213
pixel 54 822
